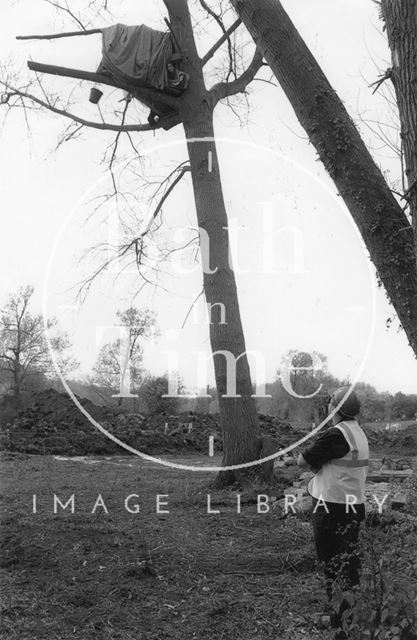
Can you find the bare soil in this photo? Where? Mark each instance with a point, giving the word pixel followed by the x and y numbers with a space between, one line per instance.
pixel 186 574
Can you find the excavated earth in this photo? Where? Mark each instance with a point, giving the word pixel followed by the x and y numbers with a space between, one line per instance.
pixel 55 425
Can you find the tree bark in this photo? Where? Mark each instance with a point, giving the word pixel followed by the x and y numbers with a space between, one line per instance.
pixel 380 219
pixel 401 24
pixel 238 415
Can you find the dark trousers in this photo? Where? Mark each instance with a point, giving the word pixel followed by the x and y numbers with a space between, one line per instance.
pixel 336 539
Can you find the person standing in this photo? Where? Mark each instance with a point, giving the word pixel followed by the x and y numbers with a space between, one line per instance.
pixel 339 458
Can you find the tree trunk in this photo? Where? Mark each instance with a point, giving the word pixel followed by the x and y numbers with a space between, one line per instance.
pixel 381 221
pixel 401 23
pixel 238 415
pixel 16 382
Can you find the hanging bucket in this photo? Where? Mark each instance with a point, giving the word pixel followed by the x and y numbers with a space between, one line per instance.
pixel 95 95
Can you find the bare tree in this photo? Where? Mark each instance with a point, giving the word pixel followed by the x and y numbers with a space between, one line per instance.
pixel 379 216
pixel 114 357
pixel 194 110
pixel 23 345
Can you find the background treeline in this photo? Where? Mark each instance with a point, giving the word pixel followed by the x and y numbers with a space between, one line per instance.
pixel 309 375
pixel 299 394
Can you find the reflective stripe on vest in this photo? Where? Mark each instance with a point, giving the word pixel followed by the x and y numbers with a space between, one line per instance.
pixel 354 462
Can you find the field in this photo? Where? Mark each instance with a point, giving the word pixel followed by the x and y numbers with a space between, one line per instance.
pixel 187 574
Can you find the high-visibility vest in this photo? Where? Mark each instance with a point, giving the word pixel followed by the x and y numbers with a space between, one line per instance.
pixel 345 476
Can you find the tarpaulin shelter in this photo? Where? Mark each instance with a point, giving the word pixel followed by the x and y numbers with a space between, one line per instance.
pixel 138 56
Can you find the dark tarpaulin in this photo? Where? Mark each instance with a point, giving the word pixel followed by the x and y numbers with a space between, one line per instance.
pixel 137 55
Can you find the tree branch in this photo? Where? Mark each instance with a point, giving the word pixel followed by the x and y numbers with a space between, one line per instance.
pixel 145 94
pixel 4 357
pixel 165 106
pixel 54 36
pixel 220 22
pixel 70 133
pixel 94 125
pixel 227 89
pixel 116 144
pixel 166 195
pixel 213 14
pixel 136 245
pixel 210 53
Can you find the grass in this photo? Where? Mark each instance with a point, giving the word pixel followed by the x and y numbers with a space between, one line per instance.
pixel 149 576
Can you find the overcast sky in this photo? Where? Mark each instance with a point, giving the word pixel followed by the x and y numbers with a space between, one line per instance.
pixel 326 299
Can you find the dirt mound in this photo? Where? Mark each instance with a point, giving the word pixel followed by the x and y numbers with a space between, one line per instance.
pixel 401 443
pixel 51 424
pixel 378 438
pixel 405 442
pixel 55 425
pixel 52 402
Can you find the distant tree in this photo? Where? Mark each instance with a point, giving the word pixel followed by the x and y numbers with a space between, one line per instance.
pixel 24 351
pixel 404 407
pixel 114 357
pixel 306 371
pixel 151 392
pixel 375 406
pixel 301 375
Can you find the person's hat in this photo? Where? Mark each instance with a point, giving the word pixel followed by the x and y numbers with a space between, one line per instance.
pixel 349 405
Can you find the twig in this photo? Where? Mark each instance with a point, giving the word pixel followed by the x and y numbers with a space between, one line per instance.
pixel 67 10
pixel 191 308
pixel 166 195
pixel 252 573
pixel 265 619
pixel 377 84
pixel 116 144
pixel 68 135
pixel 267 81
